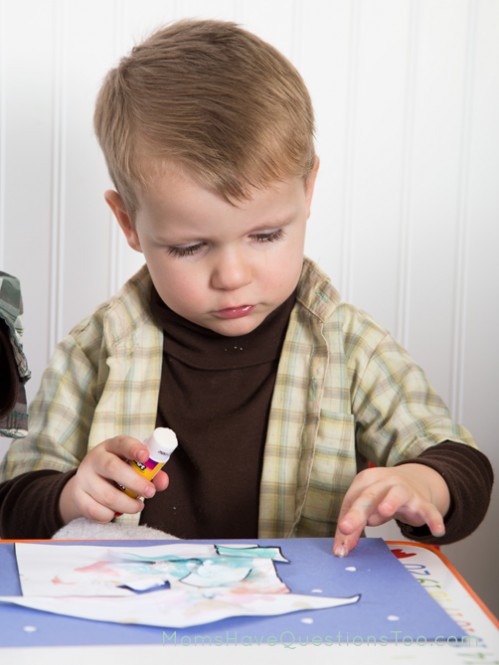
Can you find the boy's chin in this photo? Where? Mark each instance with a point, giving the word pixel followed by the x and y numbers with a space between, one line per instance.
pixel 236 327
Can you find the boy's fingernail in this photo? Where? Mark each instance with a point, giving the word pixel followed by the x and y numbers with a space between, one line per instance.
pixel 149 492
pixel 340 551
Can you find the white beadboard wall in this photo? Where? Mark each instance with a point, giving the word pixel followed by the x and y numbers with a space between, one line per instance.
pixel 406 215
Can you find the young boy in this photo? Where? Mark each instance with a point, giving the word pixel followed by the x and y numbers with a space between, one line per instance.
pixel 279 393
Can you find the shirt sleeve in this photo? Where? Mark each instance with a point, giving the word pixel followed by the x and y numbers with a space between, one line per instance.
pixel 398 414
pixel 29 504
pixel 401 419
pixel 469 477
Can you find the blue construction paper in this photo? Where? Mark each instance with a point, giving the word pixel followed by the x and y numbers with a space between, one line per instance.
pixel 393 606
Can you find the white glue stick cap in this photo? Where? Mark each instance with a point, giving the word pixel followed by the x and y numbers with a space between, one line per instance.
pixel 161 444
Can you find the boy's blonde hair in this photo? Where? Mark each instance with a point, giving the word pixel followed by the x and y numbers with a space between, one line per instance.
pixel 210 98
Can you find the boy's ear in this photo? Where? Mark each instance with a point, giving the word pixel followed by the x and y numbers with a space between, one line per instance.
pixel 115 202
pixel 310 184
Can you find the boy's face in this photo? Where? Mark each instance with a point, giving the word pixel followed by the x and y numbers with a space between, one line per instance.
pixel 220 266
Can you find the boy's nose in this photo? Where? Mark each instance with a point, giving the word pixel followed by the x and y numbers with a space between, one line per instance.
pixel 231 270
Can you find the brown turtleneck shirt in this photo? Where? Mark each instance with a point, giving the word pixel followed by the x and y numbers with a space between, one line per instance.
pixel 215 394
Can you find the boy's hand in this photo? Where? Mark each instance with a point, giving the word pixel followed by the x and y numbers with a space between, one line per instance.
pixel 92 492
pixel 412 493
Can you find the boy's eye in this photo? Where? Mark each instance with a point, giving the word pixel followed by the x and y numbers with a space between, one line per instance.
pixel 188 250
pixel 272 236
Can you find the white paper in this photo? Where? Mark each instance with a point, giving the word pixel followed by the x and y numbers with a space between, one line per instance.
pixel 176 585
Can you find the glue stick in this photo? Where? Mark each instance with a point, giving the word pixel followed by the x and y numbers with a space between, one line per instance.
pixel 161 444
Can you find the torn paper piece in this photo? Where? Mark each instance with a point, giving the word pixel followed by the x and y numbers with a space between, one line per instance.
pixel 178 609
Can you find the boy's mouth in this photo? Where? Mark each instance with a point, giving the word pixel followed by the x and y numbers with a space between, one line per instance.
pixel 234 312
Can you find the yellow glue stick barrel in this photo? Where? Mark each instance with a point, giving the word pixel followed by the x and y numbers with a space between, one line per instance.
pixel 161 444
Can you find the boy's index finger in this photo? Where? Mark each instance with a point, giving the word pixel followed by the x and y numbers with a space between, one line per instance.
pixel 358 506
pixel 128 448
pixel 351 524
pixel 344 543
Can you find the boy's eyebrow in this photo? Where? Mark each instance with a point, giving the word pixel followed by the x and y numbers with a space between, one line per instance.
pixel 273 223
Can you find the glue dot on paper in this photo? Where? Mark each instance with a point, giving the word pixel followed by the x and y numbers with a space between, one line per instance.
pixel 30 629
pixel 351 569
pixel 392 617
pixel 307 620
pixel 316 590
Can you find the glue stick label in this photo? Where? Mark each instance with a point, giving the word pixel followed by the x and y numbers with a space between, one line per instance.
pixel 149 469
